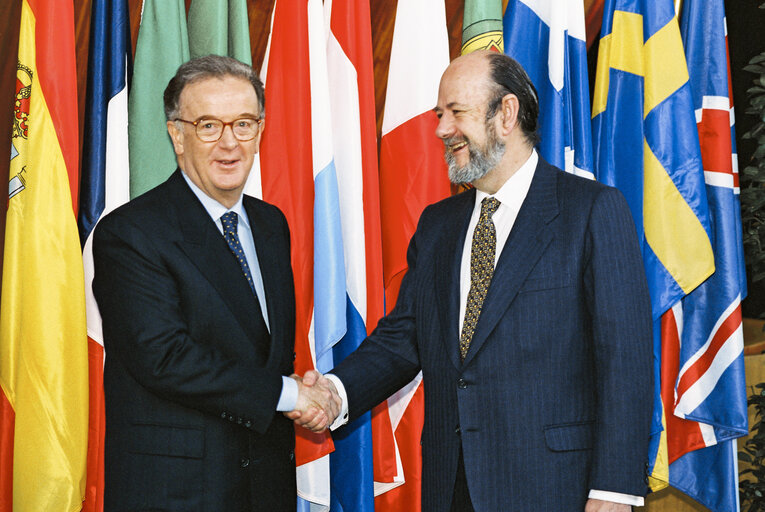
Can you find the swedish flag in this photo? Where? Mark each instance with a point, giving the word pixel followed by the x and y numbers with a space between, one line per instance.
pixel 646 144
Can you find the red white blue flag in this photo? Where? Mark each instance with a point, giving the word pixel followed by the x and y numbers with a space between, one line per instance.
pixel 104 185
pixel 704 391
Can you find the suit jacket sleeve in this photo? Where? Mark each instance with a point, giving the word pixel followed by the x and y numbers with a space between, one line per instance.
pixel 140 297
pixel 388 359
pixel 618 302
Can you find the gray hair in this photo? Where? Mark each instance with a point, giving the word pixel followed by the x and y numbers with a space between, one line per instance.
pixel 202 68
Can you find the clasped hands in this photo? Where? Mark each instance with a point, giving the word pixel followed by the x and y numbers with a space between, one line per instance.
pixel 318 402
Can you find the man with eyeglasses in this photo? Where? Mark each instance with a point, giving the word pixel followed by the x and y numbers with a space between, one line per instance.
pixel 194 285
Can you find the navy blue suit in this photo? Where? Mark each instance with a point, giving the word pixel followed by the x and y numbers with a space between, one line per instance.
pixel 192 375
pixel 554 396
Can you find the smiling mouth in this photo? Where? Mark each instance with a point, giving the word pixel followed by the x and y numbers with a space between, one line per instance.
pixel 457 146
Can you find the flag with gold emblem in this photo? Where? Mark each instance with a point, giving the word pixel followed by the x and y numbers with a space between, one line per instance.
pixel 43 343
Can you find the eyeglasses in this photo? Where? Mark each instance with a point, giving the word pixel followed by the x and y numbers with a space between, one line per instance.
pixel 211 130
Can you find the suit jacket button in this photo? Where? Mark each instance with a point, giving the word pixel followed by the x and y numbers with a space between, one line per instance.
pixel 244 462
pixel 239 421
pixel 248 423
pixel 458 431
pixel 294 356
pixel 292 454
pixel 461 384
pixel 230 417
pixel 224 415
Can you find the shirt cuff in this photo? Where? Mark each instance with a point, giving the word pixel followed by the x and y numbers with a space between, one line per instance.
pixel 617 497
pixel 342 418
pixel 289 396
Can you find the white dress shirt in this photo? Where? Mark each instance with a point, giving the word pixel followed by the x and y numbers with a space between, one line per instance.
pixel 289 395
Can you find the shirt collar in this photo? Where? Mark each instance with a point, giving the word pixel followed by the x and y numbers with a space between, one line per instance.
pixel 515 189
pixel 214 209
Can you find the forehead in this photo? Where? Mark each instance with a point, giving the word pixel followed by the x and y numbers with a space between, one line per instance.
pixel 220 97
pixel 464 84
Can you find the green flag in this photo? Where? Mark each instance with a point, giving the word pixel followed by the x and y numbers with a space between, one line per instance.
pixel 482 26
pixel 220 27
pixel 162 46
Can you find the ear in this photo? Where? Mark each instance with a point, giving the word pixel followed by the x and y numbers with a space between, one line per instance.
pixel 509 110
pixel 260 135
pixel 176 136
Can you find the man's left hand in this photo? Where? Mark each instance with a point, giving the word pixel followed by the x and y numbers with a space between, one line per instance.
pixel 605 506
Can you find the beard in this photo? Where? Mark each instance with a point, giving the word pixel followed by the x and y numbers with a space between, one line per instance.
pixel 481 159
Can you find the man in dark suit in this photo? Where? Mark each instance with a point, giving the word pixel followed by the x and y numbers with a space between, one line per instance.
pixel 194 285
pixel 526 308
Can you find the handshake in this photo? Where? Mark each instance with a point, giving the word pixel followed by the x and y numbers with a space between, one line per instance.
pixel 318 403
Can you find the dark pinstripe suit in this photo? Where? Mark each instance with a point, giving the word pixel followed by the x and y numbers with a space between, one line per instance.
pixel 554 396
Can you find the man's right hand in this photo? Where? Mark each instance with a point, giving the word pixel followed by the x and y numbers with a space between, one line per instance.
pixel 318 402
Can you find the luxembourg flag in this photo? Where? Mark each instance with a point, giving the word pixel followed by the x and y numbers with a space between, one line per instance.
pixel 704 388
pixel 351 95
pixel 412 175
pixel 298 175
pixel 547 37
pixel 104 185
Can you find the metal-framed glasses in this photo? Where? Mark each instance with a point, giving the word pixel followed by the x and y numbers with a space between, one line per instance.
pixel 209 129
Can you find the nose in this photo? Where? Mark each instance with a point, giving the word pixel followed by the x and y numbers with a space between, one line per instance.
pixel 227 138
pixel 445 128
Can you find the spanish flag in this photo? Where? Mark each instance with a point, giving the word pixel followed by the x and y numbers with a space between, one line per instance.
pixel 43 344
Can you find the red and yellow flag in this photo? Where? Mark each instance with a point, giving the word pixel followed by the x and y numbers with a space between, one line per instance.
pixel 43 344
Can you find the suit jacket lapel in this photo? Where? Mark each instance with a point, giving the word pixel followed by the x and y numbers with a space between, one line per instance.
pixel 448 272
pixel 526 243
pixel 204 245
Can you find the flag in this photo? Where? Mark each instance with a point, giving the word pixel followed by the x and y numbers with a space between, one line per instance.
pixel 482 26
pixel 43 348
pixel 547 38
pixel 297 174
pixel 105 185
pixel 161 48
pixel 351 91
pixel 705 393
pixel 220 28
pixel 646 144
pixel 412 175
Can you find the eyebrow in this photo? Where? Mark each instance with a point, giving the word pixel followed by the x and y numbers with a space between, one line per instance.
pixel 238 116
pixel 452 105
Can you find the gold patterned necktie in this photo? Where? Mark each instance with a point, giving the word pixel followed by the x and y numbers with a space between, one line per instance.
pixel 482 253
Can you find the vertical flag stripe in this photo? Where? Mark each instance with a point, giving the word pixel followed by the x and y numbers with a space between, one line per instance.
pixel 351 87
pixel 287 178
pixel 220 28
pixel 547 38
pixel 162 46
pixel 412 175
pixel 43 354
pixel 105 185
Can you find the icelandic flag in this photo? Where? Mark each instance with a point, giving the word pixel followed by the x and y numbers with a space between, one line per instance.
pixel 705 395
pixel 104 185
pixel 547 37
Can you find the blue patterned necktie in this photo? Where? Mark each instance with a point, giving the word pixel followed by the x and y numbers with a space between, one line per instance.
pixel 482 253
pixel 230 221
